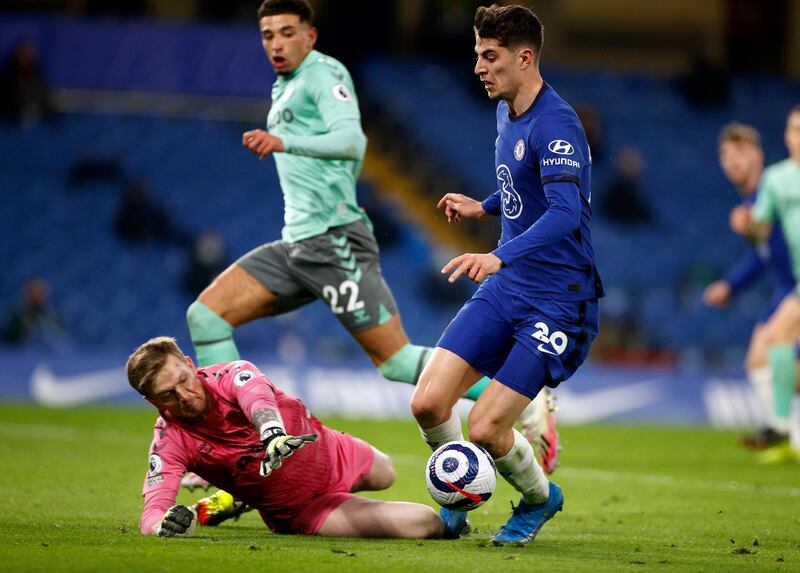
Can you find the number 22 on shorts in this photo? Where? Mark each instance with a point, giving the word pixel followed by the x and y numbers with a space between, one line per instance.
pixel 349 289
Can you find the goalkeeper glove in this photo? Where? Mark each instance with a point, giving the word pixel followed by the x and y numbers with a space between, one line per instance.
pixel 279 446
pixel 178 521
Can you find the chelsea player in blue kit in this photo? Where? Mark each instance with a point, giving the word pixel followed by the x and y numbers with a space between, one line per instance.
pixel 533 319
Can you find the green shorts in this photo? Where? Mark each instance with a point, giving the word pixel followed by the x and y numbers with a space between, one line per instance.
pixel 339 266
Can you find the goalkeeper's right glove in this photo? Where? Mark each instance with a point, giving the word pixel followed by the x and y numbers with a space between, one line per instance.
pixel 279 446
pixel 178 521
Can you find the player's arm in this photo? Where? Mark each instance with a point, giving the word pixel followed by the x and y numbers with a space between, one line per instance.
pixel 256 397
pixel 345 140
pixel 261 143
pixel 332 91
pixel 743 222
pixel 562 217
pixel 720 292
pixel 457 206
pixel 746 271
pixel 755 224
pixel 160 515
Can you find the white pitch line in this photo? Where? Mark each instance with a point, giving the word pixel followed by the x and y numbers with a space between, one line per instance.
pixel 647 479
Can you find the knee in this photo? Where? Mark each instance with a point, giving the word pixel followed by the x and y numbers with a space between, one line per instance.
pixel 485 433
pixel 429 412
pixel 384 475
pixel 196 314
pixel 201 317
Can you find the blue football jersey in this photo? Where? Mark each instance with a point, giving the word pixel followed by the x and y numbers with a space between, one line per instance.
pixel 545 144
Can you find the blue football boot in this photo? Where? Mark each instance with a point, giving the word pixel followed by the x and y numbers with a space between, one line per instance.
pixel 455 523
pixel 526 520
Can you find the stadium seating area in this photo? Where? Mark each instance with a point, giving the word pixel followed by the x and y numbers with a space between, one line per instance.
pixel 114 294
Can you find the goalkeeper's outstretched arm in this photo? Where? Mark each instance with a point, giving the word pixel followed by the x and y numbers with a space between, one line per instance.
pixel 161 485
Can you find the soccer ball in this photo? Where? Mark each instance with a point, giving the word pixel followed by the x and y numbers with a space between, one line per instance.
pixel 460 475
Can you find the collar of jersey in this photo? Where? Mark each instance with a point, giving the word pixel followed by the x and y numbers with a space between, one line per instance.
pixel 310 58
pixel 545 87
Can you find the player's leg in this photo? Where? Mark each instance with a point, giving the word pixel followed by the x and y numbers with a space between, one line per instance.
pixel 783 335
pixel 759 374
pixel 552 340
pixel 538 421
pixel 258 284
pixel 491 425
pixel 475 342
pixel 380 476
pixel 478 337
pixel 359 517
pixel 342 268
pixel 398 360
pixel 363 467
pixel 232 299
pixel 443 381
pixel 389 348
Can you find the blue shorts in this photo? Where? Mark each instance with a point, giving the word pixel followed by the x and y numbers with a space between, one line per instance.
pixel 522 343
pixel 778 295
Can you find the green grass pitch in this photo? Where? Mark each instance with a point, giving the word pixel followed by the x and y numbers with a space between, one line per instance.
pixel 636 499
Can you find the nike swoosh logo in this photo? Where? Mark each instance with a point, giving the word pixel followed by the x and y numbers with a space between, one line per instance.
pixel 51 390
pixel 597 405
pixel 541 348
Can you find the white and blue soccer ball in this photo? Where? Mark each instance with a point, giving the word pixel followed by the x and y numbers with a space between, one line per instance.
pixel 460 475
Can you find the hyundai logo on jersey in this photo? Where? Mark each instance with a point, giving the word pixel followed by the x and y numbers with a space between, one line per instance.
pixel 561 147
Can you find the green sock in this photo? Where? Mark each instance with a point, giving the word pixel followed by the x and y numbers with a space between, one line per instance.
pixel 476 389
pixel 212 336
pixel 782 359
pixel 406 365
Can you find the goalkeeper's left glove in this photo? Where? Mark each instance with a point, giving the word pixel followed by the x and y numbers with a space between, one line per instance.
pixel 279 446
pixel 178 521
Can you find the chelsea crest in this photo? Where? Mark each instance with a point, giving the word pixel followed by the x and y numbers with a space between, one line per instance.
pixel 519 150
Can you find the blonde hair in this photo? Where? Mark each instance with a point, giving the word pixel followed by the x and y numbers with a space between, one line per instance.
pixel 736 132
pixel 147 361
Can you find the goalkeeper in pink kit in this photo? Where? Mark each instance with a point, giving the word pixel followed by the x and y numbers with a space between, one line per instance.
pixel 229 424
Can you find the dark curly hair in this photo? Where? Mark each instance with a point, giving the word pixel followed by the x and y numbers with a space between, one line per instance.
pixel 512 26
pixel 301 8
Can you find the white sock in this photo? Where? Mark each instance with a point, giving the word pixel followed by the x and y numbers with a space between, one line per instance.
pixel 449 431
pixel 520 468
pixel 794 429
pixel 761 381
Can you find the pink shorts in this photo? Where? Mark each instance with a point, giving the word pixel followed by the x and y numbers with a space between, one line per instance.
pixel 354 458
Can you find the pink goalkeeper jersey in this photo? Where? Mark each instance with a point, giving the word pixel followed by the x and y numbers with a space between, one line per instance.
pixel 225 449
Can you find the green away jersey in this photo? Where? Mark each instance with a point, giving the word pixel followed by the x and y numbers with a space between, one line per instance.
pixel 779 199
pixel 315 112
